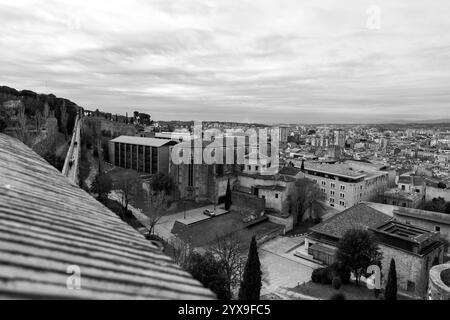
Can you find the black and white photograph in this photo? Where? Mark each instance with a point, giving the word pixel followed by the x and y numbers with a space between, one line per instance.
pixel 226 155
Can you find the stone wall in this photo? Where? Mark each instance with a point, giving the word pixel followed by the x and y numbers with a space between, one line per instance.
pixel 412 270
pixel 244 200
pixel 288 222
pixel 433 192
pixel 439 282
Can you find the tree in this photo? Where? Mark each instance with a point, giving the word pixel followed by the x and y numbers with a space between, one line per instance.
pixel 442 185
pixel 436 205
pixel 64 118
pixel 3 124
pixel 22 122
pixel 358 250
pixel 251 283
pixel 228 201
pixel 391 284
pixel 227 250
pixel 39 119
pixel 209 271
pixel 46 113
pixel 127 184
pixel 337 296
pixel 156 203
pixel 308 197
pixel 161 182
pixel 102 185
pixel 447 207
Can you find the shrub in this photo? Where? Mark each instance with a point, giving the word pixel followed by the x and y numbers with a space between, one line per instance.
pixel 337 296
pixel 316 275
pixel 327 274
pixel 336 283
pixel 322 275
pixel 343 272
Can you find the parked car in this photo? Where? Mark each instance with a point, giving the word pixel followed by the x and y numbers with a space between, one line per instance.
pixel 209 213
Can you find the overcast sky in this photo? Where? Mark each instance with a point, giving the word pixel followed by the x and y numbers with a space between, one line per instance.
pixel 263 61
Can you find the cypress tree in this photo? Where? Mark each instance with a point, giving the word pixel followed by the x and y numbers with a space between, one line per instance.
pixel 303 165
pixel 228 197
pixel 251 283
pixel 391 285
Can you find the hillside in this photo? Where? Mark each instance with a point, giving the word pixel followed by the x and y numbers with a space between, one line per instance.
pixel 36 120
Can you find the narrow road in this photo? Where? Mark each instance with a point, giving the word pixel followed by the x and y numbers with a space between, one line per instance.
pixel 71 164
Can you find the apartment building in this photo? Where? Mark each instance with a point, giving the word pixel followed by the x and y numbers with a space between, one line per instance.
pixel 346 184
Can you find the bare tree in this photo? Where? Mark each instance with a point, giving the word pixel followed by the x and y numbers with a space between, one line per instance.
pixel 39 119
pixel 64 118
pixel 308 197
pixel 180 251
pixel 156 204
pixel 128 184
pixel 227 248
pixel 46 113
pixel 22 121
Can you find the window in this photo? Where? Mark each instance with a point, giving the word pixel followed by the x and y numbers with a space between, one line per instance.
pixel 403 204
pixel 332 192
pixel 276 195
pixel 403 187
pixel 342 195
pixel 342 187
pixel 256 168
pixel 333 185
pixel 411 286
pixel 323 190
pixel 436 228
pixel 342 203
pixel 249 168
pixel 324 183
pixel 331 200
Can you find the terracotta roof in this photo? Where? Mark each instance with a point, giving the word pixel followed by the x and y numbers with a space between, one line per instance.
pixel 358 216
pixel 48 224
pixel 413 180
pixel 290 171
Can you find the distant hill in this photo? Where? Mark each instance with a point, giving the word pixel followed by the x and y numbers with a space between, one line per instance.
pixel 35 102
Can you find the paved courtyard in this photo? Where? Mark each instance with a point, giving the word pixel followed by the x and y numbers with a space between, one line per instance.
pixel 281 269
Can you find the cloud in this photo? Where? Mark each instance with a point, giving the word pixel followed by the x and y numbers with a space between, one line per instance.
pixel 267 60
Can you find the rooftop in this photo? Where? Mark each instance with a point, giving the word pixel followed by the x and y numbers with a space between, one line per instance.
pixel 438 217
pixel 142 141
pixel 48 224
pixel 358 216
pixel 401 194
pixel 338 169
pixel 404 231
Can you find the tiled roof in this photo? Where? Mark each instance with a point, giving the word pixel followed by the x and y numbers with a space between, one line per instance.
pixel 275 177
pixel 358 216
pixel 290 171
pixel 48 224
pixel 413 180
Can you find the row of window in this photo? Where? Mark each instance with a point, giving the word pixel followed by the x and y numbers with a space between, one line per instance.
pixel 341 203
pixel 333 185
pixel 136 157
pixel 341 195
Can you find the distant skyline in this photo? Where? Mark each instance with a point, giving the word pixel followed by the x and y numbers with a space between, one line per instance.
pixel 278 61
